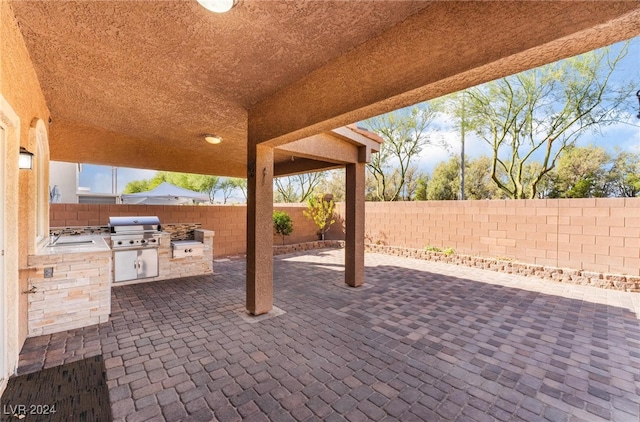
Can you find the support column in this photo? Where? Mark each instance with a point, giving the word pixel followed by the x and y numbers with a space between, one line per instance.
pixel 259 229
pixel 354 239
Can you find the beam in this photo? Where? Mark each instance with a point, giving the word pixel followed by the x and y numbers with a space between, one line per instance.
pixel 322 147
pixel 301 166
pixel 447 47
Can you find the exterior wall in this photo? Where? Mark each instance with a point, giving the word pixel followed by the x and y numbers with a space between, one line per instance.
pixel 600 235
pixel 65 176
pixel 229 222
pixel 20 89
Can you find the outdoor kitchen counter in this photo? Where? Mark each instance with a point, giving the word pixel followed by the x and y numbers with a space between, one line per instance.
pixel 76 244
pixel 69 285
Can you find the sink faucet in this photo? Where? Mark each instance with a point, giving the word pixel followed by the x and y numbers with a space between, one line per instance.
pixel 53 238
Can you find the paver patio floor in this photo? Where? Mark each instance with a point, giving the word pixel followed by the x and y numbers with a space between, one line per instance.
pixel 422 341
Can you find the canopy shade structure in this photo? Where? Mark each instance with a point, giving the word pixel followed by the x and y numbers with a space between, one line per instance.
pixel 165 194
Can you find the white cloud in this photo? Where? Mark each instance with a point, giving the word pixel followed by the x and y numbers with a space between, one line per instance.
pixel 446 144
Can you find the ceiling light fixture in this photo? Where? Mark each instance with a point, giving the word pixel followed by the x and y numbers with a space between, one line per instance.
pixel 218 6
pixel 212 139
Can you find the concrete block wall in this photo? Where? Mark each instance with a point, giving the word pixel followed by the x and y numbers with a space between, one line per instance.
pixel 601 235
pixel 229 222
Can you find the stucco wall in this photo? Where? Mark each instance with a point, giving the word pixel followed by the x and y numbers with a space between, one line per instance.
pixel 20 89
pixel 228 221
pixel 601 235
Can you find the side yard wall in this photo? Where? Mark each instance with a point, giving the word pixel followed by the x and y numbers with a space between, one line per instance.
pixel 601 235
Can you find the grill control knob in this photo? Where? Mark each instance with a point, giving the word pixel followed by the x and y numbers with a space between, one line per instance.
pixel 131 242
pixel 143 241
pixel 119 242
pixel 152 240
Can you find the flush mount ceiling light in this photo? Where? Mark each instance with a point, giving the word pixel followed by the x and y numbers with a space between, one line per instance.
pixel 212 139
pixel 218 6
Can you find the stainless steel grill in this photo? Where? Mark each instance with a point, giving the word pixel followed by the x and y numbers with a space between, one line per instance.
pixel 134 232
pixel 135 242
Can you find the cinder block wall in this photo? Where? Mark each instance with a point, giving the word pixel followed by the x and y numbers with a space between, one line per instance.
pixel 228 221
pixel 600 235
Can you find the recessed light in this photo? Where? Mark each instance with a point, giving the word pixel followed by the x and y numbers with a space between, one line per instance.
pixel 218 6
pixel 212 139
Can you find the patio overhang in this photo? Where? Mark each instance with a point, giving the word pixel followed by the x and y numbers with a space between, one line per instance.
pixel 138 84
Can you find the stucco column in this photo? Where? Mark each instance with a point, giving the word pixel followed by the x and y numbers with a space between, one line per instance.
pixel 259 229
pixel 354 240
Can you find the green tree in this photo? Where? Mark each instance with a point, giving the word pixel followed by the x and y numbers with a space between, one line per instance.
pixel 455 106
pixel 136 186
pixel 321 210
pixel 624 175
pixel 581 173
pixel 195 182
pixel 541 112
pixel 227 186
pixel 445 181
pixel 405 133
pixel 334 182
pixel 478 181
pixel 282 224
pixel 241 184
pixel 422 184
pixel 296 188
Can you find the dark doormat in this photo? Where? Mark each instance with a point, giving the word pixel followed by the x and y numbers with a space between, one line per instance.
pixel 74 392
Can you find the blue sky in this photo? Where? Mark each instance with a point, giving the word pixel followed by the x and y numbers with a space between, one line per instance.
pixel 625 136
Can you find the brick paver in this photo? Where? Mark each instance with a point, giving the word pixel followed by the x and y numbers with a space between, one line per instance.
pixel 425 341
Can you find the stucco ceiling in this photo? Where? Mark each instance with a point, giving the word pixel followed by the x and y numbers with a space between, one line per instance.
pixel 138 82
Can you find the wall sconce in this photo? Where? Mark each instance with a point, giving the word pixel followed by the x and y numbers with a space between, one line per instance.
pixel 25 160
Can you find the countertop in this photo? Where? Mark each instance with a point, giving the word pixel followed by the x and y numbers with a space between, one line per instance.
pixel 76 244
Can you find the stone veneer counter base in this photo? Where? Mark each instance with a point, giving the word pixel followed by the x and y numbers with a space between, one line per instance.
pixel 70 286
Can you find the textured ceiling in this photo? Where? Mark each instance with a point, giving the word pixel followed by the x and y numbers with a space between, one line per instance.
pixel 168 71
pixel 136 83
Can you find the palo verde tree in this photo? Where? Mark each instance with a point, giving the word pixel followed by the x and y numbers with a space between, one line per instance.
pixel 296 188
pixel 405 134
pixel 537 114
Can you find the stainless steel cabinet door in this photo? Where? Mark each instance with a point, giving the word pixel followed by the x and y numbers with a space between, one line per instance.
pixel 125 265
pixel 147 263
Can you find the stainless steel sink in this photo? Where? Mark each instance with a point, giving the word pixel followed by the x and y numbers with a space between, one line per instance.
pixel 70 243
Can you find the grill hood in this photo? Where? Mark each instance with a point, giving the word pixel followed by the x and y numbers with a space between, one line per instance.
pixel 133 224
